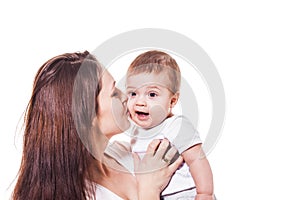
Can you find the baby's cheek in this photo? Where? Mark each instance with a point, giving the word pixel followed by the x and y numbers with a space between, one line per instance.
pixel 158 112
pixel 129 106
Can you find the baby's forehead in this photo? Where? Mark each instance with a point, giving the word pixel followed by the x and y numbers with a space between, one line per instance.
pixel 148 79
pixel 148 86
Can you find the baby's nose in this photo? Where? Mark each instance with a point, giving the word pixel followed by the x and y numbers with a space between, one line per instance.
pixel 141 101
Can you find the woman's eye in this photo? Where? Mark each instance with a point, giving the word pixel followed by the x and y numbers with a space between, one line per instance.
pixel 152 94
pixel 115 93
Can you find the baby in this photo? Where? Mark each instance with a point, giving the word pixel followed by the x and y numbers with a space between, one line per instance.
pixel 152 85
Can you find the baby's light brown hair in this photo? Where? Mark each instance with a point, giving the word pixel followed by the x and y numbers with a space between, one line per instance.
pixel 156 62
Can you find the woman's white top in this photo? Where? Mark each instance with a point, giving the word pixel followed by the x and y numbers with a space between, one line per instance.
pixel 103 193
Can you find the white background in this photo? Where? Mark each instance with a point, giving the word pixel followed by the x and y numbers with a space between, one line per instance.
pixel 255 46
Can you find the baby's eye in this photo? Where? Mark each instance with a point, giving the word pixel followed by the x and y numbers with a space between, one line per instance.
pixel 131 94
pixel 152 94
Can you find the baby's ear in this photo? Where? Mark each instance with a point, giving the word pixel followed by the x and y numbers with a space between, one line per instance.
pixel 174 99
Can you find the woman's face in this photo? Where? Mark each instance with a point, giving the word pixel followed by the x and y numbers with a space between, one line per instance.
pixel 112 112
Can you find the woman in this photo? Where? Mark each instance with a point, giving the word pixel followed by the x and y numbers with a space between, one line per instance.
pixel 74 109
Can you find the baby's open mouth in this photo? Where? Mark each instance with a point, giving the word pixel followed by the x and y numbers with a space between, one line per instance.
pixel 141 113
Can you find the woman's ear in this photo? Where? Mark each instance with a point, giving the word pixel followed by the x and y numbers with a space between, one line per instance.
pixel 174 99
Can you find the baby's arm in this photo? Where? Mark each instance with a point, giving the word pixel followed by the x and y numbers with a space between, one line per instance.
pixel 201 172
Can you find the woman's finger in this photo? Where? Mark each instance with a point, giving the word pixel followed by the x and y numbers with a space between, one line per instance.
pixel 152 147
pixel 171 155
pixel 149 162
pixel 175 165
pixel 162 149
pixel 136 160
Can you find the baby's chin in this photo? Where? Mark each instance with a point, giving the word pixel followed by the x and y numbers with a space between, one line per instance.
pixel 144 125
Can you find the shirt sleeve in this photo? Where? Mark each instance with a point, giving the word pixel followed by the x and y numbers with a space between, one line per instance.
pixel 181 133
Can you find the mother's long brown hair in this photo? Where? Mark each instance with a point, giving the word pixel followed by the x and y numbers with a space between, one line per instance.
pixel 55 163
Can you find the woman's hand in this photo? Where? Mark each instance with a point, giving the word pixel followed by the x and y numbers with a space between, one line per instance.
pixel 155 170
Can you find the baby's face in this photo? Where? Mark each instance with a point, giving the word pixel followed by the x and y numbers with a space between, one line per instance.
pixel 149 99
